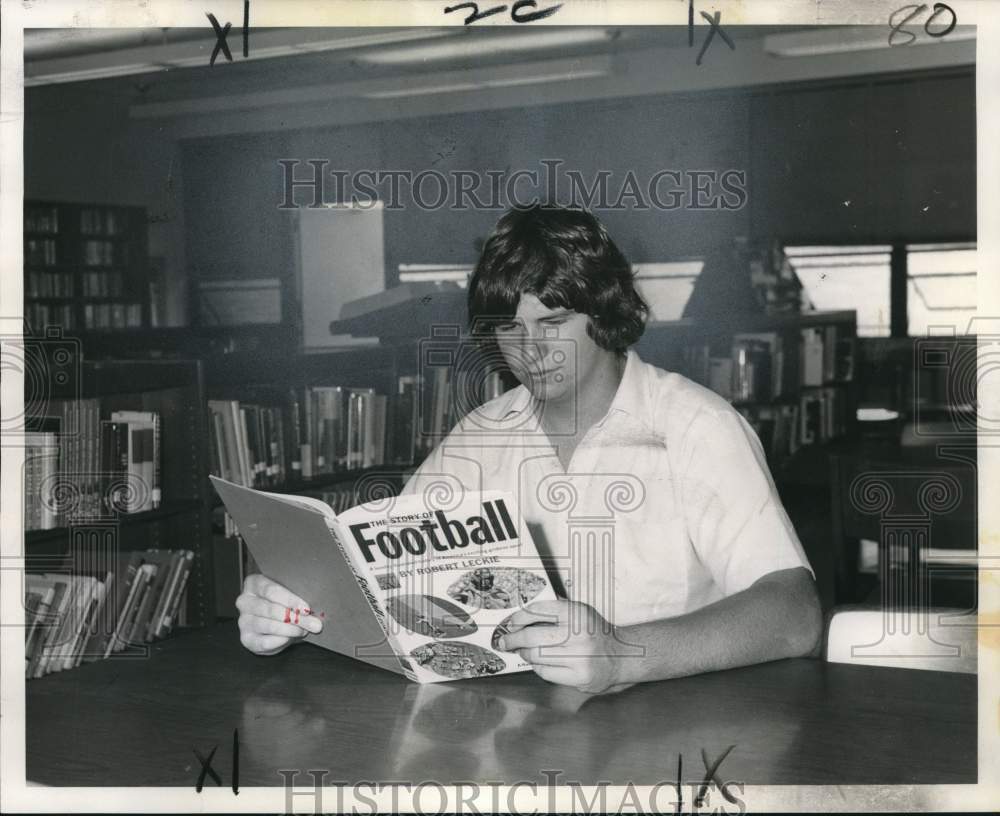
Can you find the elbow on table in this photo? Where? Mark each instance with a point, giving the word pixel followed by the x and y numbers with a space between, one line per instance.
pixel 792 596
pixel 806 635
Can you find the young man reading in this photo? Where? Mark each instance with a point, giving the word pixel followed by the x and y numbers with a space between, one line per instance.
pixel 704 570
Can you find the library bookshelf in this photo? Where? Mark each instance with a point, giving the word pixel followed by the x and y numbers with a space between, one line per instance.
pixel 792 376
pixel 86 266
pixel 96 518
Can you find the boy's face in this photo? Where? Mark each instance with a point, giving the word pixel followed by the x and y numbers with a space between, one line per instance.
pixel 549 350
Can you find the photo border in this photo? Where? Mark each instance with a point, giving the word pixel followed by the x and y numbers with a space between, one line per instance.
pixel 17 795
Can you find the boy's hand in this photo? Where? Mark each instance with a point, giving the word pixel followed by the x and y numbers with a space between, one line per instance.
pixel 271 617
pixel 567 642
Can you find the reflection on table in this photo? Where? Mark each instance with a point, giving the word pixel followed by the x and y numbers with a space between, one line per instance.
pixel 791 722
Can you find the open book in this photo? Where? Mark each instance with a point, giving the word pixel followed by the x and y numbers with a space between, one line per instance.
pixel 399 582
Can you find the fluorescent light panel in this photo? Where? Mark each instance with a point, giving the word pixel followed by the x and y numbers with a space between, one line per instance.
pixel 397 93
pixel 106 72
pixel 193 54
pixel 848 39
pixel 479 46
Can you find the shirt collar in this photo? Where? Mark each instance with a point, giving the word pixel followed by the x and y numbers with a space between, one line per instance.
pixel 632 396
pixel 510 403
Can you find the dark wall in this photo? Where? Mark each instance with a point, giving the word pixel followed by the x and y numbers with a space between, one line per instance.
pixel 235 186
pixel 892 158
pixel 900 150
pixel 864 160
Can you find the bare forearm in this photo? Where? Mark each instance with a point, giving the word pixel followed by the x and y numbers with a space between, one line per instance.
pixel 777 617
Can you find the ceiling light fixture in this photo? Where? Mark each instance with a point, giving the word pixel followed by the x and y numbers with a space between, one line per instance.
pixel 472 46
pixel 849 39
pixel 190 53
pixel 488 84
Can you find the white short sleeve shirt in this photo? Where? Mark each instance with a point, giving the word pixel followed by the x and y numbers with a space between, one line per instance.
pixel 667 504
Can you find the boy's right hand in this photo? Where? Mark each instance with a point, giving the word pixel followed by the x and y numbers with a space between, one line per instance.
pixel 271 616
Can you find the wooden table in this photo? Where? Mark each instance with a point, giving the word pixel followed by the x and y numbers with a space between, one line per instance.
pixel 138 721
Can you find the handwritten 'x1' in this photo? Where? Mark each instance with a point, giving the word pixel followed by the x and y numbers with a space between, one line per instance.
pixel 221 32
pixel 713 21
pixel 206 768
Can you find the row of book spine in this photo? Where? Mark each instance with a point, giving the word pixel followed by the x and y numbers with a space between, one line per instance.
pixel 320 430
pixel 819 416
pixel 87 468
pixel 40 252
pixel 49 284
pixel 40 315
pixel 104 253
pixel 41 219
pixel 323 430
pixel 100 222
pixel 112 315
pixel 754 367
pixel 103 284
pixel 74 618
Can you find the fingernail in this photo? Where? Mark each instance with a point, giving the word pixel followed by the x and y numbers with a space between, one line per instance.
pixel 502 644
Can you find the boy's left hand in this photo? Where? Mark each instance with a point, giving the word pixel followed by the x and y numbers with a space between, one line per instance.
pixel 567 642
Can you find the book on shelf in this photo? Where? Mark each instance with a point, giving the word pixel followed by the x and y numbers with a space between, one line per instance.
pixel 41 218
pixel 101 221
pixel 40 252
pixel 323 430
pixel 140 586
pixel 93 457
pixel 44 644
pixel 720 376
pixel 812 356
pixel 41 315
pixel 416 590
pixel 143 457
pixel 36 615
pixel 102 315
pixel 41 468
pixel 758 366
pixel 39 284
pixel 84 616
pixel 824 415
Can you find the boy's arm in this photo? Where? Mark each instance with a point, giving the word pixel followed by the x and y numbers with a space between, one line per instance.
pixel 776 617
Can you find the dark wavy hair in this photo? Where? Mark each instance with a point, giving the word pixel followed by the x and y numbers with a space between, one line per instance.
pixel 565 258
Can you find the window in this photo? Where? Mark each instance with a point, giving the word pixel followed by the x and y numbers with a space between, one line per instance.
pixel 666 287
pixel 846 277
pixel 940 288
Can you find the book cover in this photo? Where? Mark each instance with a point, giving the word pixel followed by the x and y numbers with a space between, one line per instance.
pixel 812 356
pixel 116 584
pixel 36 625
pixel 69 624
pixel 160 561
pixel 53 637
pixel 82 612
pixel 32 601
pixel 177 595
pixel 141 587
pixel 170 575
pixel 294 432
pixel 151 461
pixel 416 589
pixel 124 592
pixel 102 598
pixel 48 627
